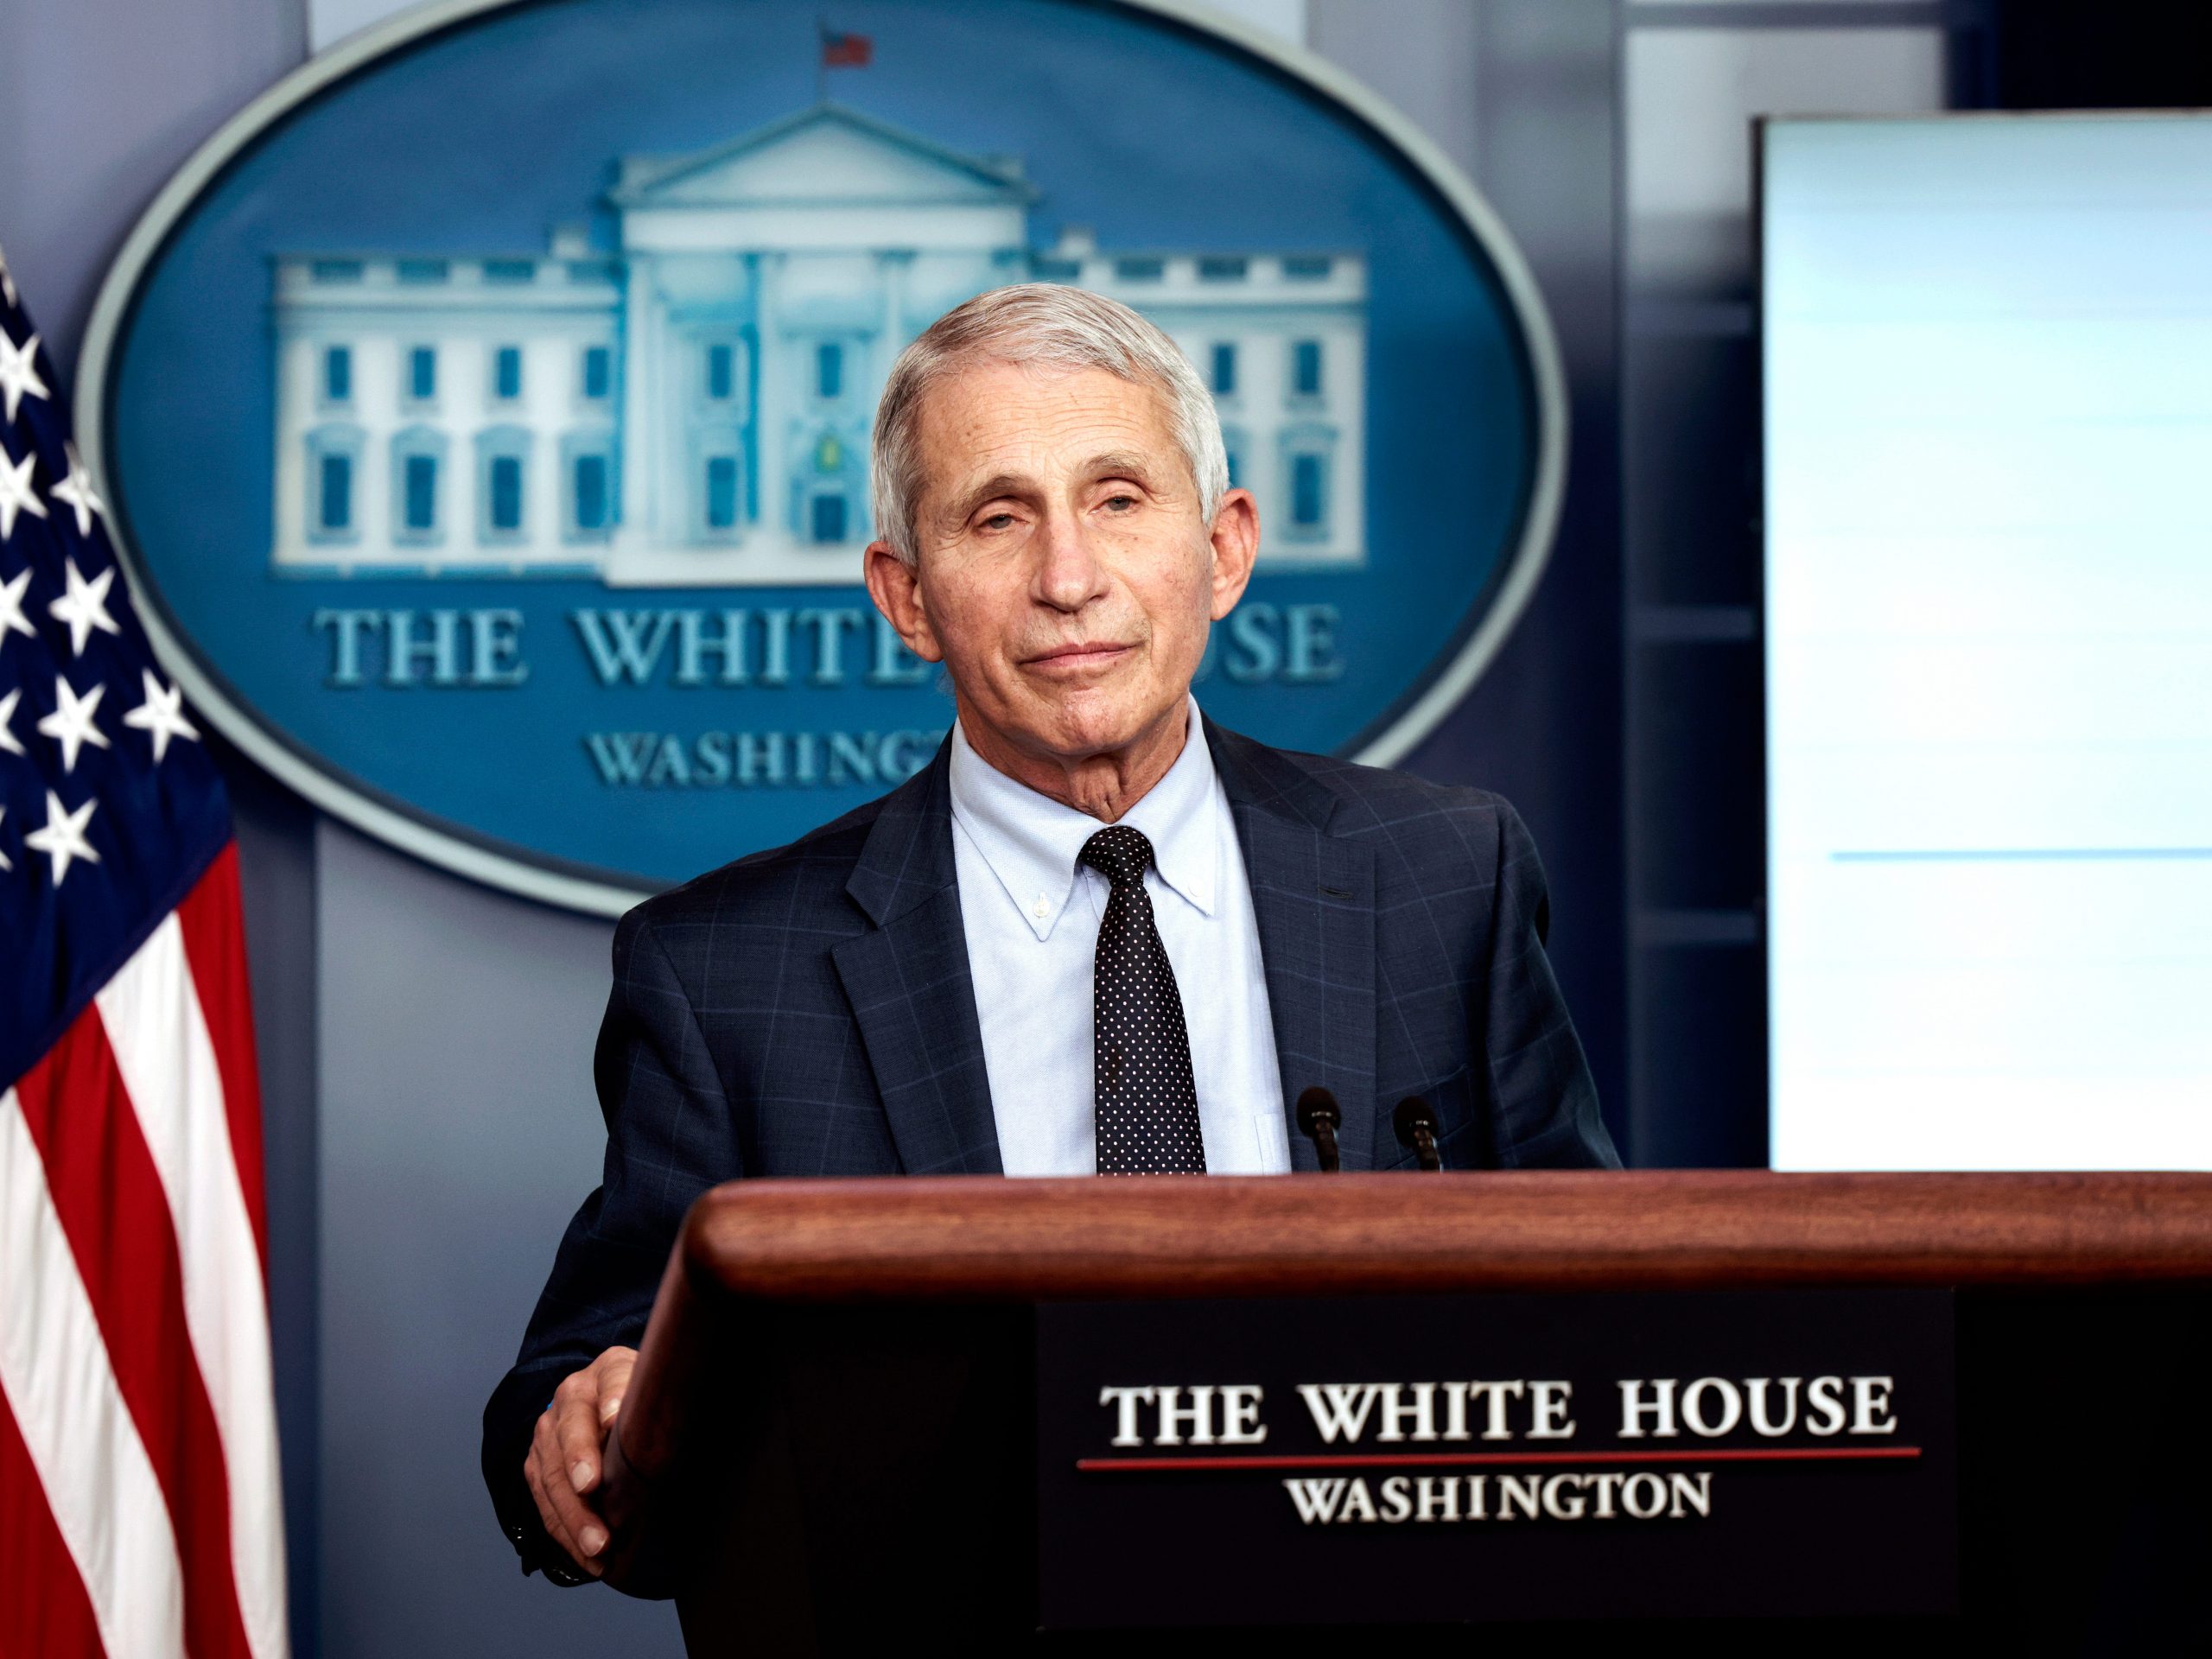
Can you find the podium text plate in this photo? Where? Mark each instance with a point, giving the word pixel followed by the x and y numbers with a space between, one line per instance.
pixel 1428 1460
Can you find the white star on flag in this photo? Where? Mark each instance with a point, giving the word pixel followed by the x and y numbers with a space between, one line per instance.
pixel 8 739
pixel 161 716
pixel 71 724
pixel 84 607
pixel 11 609
pixel 18 373
pixel 16 494
pixel 63 839
pixel 77 491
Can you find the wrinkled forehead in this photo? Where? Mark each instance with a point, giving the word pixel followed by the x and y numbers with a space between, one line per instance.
pixel 990 416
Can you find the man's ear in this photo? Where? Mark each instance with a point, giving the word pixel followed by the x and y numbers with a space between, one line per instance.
pixel 897 590
pixel 1235 545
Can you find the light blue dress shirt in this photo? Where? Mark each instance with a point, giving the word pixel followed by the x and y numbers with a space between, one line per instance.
pixel 1032 915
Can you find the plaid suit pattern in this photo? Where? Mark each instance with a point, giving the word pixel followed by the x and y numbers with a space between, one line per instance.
pixel 808 1011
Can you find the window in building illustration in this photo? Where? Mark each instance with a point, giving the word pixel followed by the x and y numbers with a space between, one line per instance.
pixel 1305 368
pixel 421 490
pixel 721 373
pixel 506 372
pixel 829 454
pixel 598 372
pixel 1308 486
pixel 417 271
pixel 506 492
pixel 1306 268
pixel 722 492
pixel 332 474
pixel 1224 370
pixel 510 271
pixel 1308 466
pixel 1222 268
pixel 1139 270
pixel 418 459
pixel 588 487
pixel 422 374
pixel 338 374
pixel 502 481
pixel 829 370
pixel 336 512
pixel 829 519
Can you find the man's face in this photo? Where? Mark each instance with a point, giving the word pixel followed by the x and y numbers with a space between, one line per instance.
pixel 1065 576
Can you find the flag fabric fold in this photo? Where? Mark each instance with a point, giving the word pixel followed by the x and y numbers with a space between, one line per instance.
pixel 140 1510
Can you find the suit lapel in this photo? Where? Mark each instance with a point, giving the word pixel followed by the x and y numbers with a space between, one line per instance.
pixel 913 998
pixel 909 985
pixel 1314 898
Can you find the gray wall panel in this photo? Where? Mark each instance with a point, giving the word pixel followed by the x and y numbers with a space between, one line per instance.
pixel 1434 85
pixel 457 1132
pixel 99 101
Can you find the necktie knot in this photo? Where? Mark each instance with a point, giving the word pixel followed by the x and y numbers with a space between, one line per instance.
pixel 1118 853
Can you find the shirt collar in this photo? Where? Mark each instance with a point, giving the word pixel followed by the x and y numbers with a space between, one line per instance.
pixel 1032 843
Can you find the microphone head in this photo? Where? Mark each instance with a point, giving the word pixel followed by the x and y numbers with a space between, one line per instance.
pixel 1316 1106
pixel 1414 1113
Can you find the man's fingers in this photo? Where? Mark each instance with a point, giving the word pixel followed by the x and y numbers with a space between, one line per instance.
pixel 564 1462
pixel 548 1515
pixel 546 1518
pixel 576 1423
pixel 568 1522
pixel 615 1367
pixel 569 1519
pixel 538 1469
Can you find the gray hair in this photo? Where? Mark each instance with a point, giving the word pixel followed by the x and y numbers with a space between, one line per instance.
pixel 1054 327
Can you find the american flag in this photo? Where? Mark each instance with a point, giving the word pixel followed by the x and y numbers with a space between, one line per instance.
pixel 843 50
pixel 139 1507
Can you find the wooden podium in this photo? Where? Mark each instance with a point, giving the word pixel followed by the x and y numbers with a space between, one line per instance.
pixel 831 1443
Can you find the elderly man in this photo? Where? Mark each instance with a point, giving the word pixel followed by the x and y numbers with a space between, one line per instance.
pixel 1096 933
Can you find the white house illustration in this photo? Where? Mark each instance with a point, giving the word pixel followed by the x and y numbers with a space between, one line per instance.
pixel 693 407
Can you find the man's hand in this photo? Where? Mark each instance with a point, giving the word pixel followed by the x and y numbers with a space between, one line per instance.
pixel 565 1466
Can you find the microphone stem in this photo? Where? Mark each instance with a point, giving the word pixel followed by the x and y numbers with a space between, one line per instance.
pixel 1425 1152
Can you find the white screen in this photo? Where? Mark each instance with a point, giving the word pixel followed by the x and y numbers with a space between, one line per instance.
pixel 1987 355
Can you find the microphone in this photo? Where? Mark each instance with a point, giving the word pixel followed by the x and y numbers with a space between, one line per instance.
pixel 1318 1118
pixel 1415 1122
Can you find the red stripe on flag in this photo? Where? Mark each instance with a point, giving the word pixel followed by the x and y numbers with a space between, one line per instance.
pixel 44 1607
pixel 214 945
pixel 113 1208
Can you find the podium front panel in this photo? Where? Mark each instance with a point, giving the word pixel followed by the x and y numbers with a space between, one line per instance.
pixel 1436 1459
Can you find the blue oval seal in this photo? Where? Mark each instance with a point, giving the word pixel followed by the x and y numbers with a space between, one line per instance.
pixel 485 410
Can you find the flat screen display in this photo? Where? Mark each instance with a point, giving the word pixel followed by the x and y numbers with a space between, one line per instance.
pixel 1987 345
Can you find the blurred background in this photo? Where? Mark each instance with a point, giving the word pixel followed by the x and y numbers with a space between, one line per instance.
pixel 425 1041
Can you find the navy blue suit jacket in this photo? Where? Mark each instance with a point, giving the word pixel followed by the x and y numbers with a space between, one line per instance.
pixel 808 1011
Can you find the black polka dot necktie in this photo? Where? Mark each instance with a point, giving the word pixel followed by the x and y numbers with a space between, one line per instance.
pixel 1147 1104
